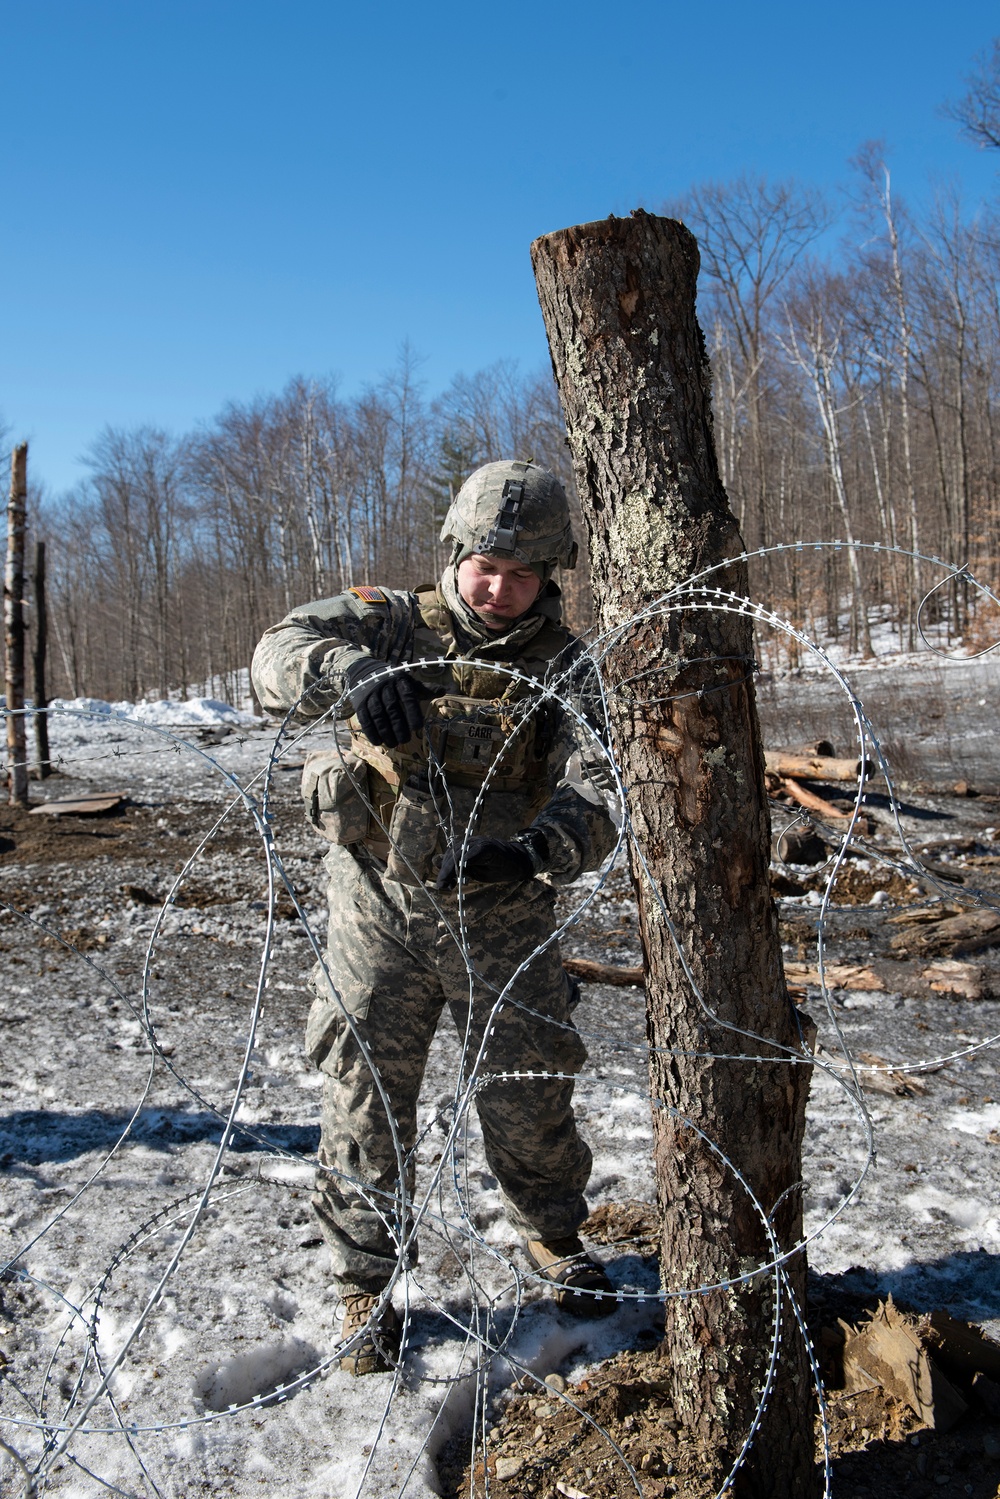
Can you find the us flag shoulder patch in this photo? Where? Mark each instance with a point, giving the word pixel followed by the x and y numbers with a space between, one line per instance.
pixel 370 595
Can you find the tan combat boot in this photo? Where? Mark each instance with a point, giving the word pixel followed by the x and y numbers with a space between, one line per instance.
pixel 581 1286
pixel 376 1332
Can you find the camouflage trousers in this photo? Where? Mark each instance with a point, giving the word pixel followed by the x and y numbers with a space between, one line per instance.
pixel 395 965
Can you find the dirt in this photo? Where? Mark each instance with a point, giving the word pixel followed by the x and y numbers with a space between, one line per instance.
pixel 874 1443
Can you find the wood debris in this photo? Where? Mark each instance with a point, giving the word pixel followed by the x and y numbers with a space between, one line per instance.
pixel 916 915
pixel 953 846
pixel 810 800
pixel 879 1076
pixel 946 872
pixel 799 767
pixel 604 973
pixel 141 896
pixel 891 1351
pixel 628 1222
pixel 800 845
pixel 961 980
pixel 802 976
pixel 962 1349
pixel 951 935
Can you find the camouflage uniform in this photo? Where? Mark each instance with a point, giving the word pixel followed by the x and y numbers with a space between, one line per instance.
pixel 393 955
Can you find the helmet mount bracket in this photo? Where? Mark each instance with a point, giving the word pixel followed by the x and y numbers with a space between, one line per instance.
pixel 502 535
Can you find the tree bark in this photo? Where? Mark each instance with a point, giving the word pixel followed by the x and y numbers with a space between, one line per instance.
pixel 13 608
pixel 38 662
pixel 618 298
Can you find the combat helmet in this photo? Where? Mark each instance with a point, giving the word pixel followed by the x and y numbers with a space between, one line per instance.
pixel 512 509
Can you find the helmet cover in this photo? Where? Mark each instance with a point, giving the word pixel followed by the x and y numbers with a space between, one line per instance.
pixel 512 509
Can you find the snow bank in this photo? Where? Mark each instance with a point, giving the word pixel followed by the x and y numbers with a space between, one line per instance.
pixel 165 713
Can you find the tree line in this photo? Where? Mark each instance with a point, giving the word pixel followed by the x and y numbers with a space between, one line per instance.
pixel 856 396
pixel 177 552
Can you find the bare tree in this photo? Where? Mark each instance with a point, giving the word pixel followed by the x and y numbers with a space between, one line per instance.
pixel 169 563
pixel 816 332
pixel 871 164
pixel 978 111
pixel 751 233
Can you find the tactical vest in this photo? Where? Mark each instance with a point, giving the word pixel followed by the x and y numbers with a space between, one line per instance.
pixel 485 744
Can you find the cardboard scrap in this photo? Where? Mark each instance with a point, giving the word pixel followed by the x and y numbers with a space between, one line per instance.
pixel 89 804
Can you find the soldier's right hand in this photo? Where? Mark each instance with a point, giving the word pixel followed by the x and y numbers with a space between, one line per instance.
pixel 387 704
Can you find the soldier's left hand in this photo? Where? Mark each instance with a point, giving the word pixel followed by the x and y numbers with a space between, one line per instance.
pixel 493 861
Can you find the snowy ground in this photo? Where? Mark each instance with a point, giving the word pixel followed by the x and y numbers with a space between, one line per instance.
pixel 123 1214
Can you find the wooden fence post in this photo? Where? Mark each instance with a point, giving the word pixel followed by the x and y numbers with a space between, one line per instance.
pixel 38 661
pixel 13 606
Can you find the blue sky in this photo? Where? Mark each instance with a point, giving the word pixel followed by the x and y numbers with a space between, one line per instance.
pixel 202 199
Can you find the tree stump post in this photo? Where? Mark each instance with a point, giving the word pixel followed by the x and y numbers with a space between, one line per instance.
pixel 13 609
pixel 618 299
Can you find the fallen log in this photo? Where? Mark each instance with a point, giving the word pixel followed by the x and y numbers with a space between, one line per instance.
pixel 949 976
pixel 604 973
pixel 879 1076
pixel 954 936
pixel 937 873
pixel 933 846
pixel 962 1350
pixel 811 767
pixel 924 914
pixel 821 747
pixel 800 845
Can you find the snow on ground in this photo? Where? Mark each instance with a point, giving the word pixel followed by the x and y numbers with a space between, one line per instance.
pixel 192 712
pixel 107 1156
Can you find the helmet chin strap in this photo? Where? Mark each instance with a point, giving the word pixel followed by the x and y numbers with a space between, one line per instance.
pixel 479 627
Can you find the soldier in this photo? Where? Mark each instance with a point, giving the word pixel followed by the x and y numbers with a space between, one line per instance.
pixel 451 820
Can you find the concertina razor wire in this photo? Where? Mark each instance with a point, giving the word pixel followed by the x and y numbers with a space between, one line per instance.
pixel 42 1427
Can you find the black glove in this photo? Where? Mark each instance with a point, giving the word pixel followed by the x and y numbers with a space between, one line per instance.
pixel 495 861
pixel 387 704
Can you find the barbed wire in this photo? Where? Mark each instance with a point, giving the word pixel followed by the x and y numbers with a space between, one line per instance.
pixel 442 1207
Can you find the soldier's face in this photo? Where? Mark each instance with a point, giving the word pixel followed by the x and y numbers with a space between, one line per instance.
pixel 497 589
